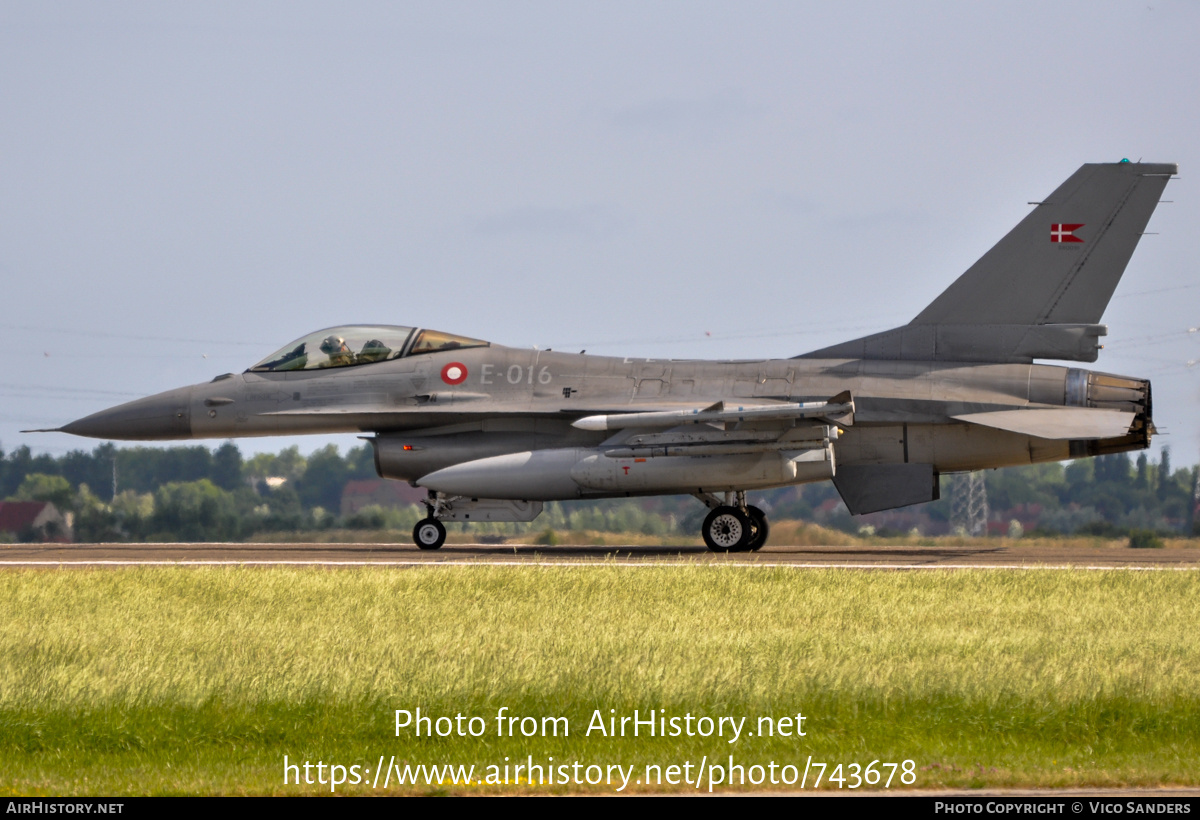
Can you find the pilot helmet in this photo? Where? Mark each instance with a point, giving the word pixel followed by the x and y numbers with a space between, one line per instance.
pixel 333 344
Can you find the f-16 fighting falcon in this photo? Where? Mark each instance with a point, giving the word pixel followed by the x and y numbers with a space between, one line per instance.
pixel 492 432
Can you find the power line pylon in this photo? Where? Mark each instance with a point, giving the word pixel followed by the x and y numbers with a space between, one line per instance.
pixel 968 504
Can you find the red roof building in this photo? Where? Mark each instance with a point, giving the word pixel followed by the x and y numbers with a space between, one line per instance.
pixel 39 520
pixel 379 492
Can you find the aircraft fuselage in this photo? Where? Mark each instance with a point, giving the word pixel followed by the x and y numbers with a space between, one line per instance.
pixel 461 405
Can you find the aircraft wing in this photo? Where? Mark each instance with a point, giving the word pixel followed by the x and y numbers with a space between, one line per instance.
pixel 1058 423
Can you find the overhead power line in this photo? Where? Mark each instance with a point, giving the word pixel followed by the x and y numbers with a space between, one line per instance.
pixel 105 334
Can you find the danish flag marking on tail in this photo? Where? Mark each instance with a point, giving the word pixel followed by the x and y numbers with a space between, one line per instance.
pixel 1064 233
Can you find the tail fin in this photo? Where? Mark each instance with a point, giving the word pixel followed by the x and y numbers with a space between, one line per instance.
pixel 1040 292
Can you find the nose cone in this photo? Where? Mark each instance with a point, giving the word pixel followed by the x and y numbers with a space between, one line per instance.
pixel 165 416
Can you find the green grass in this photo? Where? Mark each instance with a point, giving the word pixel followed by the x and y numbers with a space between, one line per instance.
pixel 151 681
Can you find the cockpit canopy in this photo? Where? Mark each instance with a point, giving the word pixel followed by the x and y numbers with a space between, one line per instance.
pixel 360 344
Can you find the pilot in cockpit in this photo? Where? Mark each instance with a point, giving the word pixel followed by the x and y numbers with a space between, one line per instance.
pixel 338 352
pixel 373 351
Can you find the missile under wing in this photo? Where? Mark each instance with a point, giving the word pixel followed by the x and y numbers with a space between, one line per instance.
pixel 492 432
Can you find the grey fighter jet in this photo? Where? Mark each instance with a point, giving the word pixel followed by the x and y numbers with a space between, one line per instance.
pixel 492 432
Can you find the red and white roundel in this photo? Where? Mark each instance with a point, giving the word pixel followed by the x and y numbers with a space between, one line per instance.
pixel 454 373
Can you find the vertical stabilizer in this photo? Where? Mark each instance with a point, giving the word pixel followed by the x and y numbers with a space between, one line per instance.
pixel 1041 291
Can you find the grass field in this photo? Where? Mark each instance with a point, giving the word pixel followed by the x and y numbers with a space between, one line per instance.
pixel 153 681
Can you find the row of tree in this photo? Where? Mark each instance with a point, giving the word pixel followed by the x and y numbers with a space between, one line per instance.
pixel 107 470
pixel 194 493
pixel 1109 495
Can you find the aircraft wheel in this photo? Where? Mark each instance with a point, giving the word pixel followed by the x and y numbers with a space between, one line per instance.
pixel 726 530
pixel 761 528
pixel 429 534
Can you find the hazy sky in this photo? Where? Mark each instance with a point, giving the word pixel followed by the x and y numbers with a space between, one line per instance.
pixel 185 188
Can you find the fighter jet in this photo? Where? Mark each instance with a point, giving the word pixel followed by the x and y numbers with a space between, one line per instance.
pixel 493 432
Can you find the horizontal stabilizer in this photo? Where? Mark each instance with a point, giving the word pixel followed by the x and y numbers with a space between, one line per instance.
pixel 868 488
pixel 1058 423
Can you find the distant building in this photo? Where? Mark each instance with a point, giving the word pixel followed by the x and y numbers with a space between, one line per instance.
pixel 35 521
pixel 378 492
pixel 271 482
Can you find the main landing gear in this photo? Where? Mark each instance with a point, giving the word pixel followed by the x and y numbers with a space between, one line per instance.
pixel 733 526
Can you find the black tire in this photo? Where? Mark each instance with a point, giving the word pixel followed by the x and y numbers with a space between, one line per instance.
pixel 429 534
pixel 726 529
pixel 761 527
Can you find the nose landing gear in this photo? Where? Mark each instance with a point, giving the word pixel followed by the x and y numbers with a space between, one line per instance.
pixel 430 534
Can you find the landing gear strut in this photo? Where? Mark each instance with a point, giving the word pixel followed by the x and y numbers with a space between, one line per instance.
pixel 733 526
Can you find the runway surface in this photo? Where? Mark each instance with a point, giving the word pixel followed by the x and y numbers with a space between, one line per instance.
pixel 403 555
